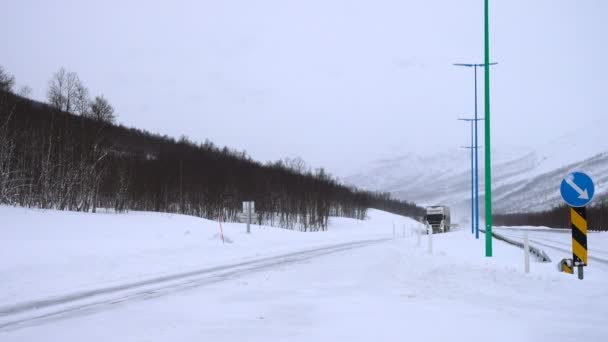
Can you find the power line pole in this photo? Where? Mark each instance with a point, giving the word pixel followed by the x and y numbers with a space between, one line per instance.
pixel 472 178
pixel 476 181
pixel 487 133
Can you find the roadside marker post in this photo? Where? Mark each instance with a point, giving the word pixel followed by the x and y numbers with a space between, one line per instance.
pixel 526 253
pixel 219 219
pixel 578 218
pixel 577 190
pixel 430 234
pixel 565 266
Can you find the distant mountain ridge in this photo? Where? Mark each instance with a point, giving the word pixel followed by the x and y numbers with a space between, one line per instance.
pixel 523 181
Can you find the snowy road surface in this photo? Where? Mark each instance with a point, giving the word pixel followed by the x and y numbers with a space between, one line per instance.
pixel 68 305
pixel 353 283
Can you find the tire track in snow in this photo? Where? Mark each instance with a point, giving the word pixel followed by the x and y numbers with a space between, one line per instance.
pixel 32 313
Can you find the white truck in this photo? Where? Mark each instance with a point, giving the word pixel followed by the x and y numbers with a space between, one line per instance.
pixel 438 218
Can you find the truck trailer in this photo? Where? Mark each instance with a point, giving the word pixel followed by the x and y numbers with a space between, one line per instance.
pixel 438 218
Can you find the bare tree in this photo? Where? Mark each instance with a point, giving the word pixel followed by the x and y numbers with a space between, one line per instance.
pixel 82 101
pixel 63 89
pixel 7 81
pixel 7 148
pixel 296 164
pixel 24 91
pixel 101 110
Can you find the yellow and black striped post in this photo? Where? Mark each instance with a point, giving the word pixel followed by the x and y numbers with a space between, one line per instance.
pixel 566 266
pixel 578 219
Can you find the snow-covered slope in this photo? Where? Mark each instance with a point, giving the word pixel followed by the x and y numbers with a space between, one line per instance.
pixel 524 179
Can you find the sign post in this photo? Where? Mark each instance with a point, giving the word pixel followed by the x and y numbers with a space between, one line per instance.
pixel 248 210
pixel 577 190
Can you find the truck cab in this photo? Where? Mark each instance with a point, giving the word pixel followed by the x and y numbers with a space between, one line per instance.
pixel 438 218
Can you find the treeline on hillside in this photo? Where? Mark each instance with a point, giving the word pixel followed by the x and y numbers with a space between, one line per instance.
pixel 50 158
pixel 558 217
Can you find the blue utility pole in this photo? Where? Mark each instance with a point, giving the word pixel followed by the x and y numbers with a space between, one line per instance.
pixel 476 165
pixel 472 178
pixel 475 145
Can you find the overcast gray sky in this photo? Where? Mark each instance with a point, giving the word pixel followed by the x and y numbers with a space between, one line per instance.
pixel 335 82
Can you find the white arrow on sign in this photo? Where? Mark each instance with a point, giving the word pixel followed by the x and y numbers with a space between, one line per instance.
pixel 582 194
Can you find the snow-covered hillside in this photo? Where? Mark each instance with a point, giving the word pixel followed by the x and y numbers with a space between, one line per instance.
pixel 148 276
pixel 525 179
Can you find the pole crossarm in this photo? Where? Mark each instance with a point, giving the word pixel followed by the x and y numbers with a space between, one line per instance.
pixel 471 65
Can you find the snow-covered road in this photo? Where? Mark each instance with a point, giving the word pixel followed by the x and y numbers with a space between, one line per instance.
pixel 69 305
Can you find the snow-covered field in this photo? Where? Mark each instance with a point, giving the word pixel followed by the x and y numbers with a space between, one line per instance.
pixel 158 277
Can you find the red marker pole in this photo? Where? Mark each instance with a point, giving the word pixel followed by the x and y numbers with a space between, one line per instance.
pixel 219 219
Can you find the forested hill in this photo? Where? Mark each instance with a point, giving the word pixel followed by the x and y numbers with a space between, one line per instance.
pixel 53 159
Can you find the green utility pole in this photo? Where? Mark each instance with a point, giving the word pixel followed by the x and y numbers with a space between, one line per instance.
pixel 487 136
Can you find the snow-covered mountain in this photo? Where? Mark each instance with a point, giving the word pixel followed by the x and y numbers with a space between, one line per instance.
pixel 524 179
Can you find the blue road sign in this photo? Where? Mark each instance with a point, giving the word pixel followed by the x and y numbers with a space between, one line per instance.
pixel 577 189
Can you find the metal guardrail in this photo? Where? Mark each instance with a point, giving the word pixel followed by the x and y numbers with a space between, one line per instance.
pixel 537 252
